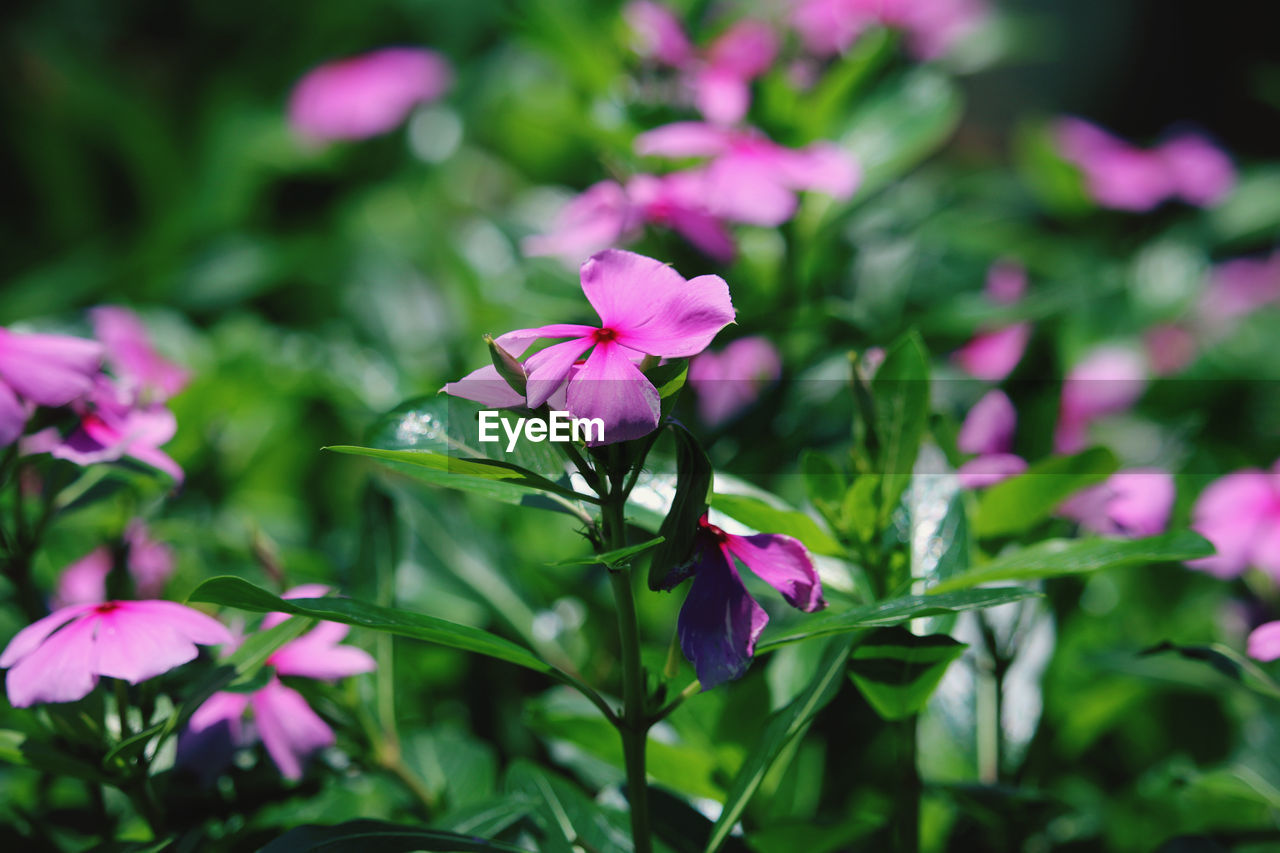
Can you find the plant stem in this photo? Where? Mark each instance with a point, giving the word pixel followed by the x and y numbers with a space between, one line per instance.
pixel 634 725
pixel 905 825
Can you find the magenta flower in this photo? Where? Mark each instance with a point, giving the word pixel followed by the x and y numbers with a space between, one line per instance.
pixel 720 621
pixel 1199 172
pixel 728 382
pixel 366 95
pixel 749 178
pixel 141 371
pixel 932 27
pixel 645 308
pixel 85 580
pixel 289 729
pixel 60 657
pixel 1131 503
pixel 45 370
pixel 720 78
pixel 1240 515
pixel 1264 642
pixel 150 564
pixel 1239 287
pixel 1108 381
pixel 992 354
pixel 988 431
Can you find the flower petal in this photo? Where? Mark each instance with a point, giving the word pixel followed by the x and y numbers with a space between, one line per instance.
pixel 26 640
pixel 784 564
pixel 518 341
pixel 683 139
pixel 85 580
pixel 486 386
pixel 610 387
pixel 1264 642
pixel 989 426
pixel 988 470
pixel 994 355
pixel 549 368
pixel 719 622
pixel 721 95
pixel 61 669
pixel 1230 513
pixel 745 50
pixel 51 370
pixel 822 167
pixel 189 623
pixel 750 189
pixel 595 220
pixel 13 415
pixel 320 659
pixel 289 729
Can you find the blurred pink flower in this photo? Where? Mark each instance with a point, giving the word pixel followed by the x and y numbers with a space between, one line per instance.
pixel 1199 172
pixel 721 76
pixel 1169 348
pixel 988 431
pixel 60 657
pixel 289 729
pixel 1239 287
pixel 992 354
pixel 140 370
pixel 1131 503
pixel 1109 380
pixel 150 565
pixel 85 580
pixel 366 95
pixel 45 370
pixel 731 380
pixel 1264 642
pixel 932 27
pixel 1006 282
pixel 1240 515
pixel 645 308
pixel 749 178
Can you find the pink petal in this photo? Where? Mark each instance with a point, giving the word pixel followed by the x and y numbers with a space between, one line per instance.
pixel 1006 282
pixel 190 624
pixel 13 415
pixel 784 564
pixel 1142 499
pixel 705 232
pixel 749 189
pixel 728 382
pixel 486 386
pixel 51 370
pixel 289 729
pixel 1231 513
pixel 683 139
pixel 1202 175
pixel 130 354
pixel 609 386
pixel 518 341
pixel 822 167
pixel 1169 349
pixel 222 707
pixel 61 669
pixel 986 471
pixel 1265 548
pixel 30 637
pixel 989 426
pixel 157 459
pixel 829 26
pixel 597 219
pixel 85 580
pixel 994 355
pixel 747 49
pixel 1264 642
pixel 549 368
pixel 658 34
pixel 721 96
pixel 135 646
pixel 318 659
pixel 150 562
pixel 1109 380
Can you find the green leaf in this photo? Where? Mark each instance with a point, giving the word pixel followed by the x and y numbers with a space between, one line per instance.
pixel 897 671
pixel 234 592
pixel 895 611
pixel 670 377
pixel 568 818
pixel 1023 501
pixel 693 483
pixel 1075 556
pixel 1226 661
pixel 487 818
pixel 614 558
pixel 900 390
pixel 759 515
pixel 784 728
pixel 358 836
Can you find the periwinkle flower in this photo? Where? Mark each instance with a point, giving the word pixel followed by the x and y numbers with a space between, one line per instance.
pixel 729 381
pixel 1109 380
pixel 987 432
pixel 366 95
pixel 141 371
pixel 45 370
pixel 1131 503
pixel 288 727
pixel 645 308
pixel 720 621
pixel 992 354
pixel 1264 642
pixel 932 27
pixel 59 658
pixel 1240 515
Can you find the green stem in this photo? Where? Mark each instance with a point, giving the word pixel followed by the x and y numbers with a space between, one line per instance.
pixel 906 806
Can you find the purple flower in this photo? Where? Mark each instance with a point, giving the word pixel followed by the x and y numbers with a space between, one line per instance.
pixel 932 26
pixel 1240 515
pixel 1109 380
pixel 1264 642
pixel 289 729
pixel 645 308
pixel 988 431
pixel 1239 287
pixel 45 370
pixel 60 657
pixel 730 381
pixel 1199 172
pixel 1131 503
pixel 749 178
pixel 366 95
pixel 141 371
pixel 720 621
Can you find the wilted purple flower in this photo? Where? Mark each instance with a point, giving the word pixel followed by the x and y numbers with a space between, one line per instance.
pixel 45 370
pixel 1131 503
pixel 60 657
pixel 1264 642
pixel 1109 380
pixel 729 381
pixel 720 621
pixel 645 308
pixel 140 370
pixel 366 95
pixel 1240 515
pixel 289 729
pixel 750 178
pixel 932 27
pixel 988 431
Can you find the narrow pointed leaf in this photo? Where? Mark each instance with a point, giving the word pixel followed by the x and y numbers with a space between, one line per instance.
pixel 614 558
pixel 900 390
pixel 897 671
pixel 358 836
pixel 1018 503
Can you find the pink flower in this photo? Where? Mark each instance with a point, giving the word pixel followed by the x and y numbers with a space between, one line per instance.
pixel 1264 642
pixel 992 354
pixel 289 729
pixel 1239 287
pixel 85 580
pixel 932 26
pixel 1240 515
pixel 749 178
pixel 730 381
pixel 141 370
pixel 645 308
pixel 1006 282
pixel 1199 172
pixel 988 431
pixel 1131 503
pixel 1108 381
pixel 1169 348
pixel 720 78
pixel 60 657
pixel 150 565
pixel 45 370
pixel 366 95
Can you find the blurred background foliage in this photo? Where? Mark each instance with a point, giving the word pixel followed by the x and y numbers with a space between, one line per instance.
pixel 310 289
